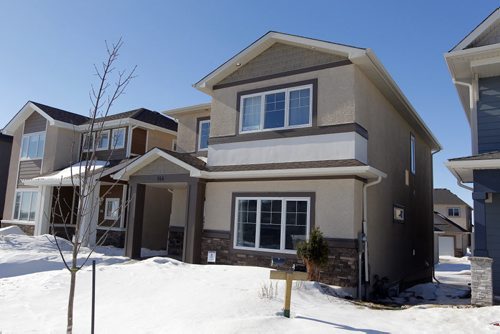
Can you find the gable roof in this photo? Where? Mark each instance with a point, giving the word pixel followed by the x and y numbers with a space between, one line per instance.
pixel 62 115
pixel 446 197
pixel 443 224
pixel 365 59
pixel 479 31
pixel 72 120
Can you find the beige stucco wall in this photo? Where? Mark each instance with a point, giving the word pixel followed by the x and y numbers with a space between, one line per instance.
pixel 159 139
pixel 462 220
pixel 396 250
pixel 160 166
pixel 335 98
pixel 186 130
pixel 61 148
pixel 337 207
pixel 179 206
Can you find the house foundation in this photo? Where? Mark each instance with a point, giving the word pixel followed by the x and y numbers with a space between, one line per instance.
pixel 482 282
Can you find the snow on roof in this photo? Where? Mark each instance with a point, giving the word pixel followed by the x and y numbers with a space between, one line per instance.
pixel 64 176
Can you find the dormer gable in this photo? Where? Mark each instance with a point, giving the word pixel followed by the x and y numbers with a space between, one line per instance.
pixel 486 33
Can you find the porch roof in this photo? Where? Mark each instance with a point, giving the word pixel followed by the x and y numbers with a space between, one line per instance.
pixel 443 224
pixel 199 169
pixel 463 168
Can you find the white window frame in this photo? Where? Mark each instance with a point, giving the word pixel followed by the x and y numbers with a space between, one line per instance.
pixel 287 108
pixel 85 135
pixel 257 223
pixel 453 208
pixel 27 136
pixel 113 136
pixel 413 163
pixel 200 123
pixel 96 140
pixel 26 190
pixel 107 215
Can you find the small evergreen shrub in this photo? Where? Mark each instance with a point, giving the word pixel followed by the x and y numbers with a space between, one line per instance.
pixel 314 253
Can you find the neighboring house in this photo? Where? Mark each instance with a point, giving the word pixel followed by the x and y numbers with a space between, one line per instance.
pixel 474 65
pixel 5 149
pixel 452 223
pixel 46 145
pixel 297 132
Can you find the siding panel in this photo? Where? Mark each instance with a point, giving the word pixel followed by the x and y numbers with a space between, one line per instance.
pixel 493 238
pixel 488 115
pixel 29 169
pixel 35 123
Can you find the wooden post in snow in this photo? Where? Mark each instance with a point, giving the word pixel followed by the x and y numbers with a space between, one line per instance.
pixel 289 277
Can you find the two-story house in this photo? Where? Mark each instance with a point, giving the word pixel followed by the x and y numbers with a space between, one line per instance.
pixel 474 64
pixel 47 145
pixel 452 224
pixel 300 133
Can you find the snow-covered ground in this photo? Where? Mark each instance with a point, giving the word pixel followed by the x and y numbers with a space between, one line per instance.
pixel 160 295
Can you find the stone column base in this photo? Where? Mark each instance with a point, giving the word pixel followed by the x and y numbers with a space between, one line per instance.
pixel 482 281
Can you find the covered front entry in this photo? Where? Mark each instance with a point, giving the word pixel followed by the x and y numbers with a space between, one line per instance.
pixel 165 213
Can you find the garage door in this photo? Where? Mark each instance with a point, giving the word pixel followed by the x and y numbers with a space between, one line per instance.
pixel 446 246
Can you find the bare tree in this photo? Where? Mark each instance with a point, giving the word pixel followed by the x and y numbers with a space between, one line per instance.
pixel 76 215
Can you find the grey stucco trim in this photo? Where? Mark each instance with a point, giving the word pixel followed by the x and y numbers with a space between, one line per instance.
pixel 314 112
pixel 216 234
pixel 284 74
pixel 342 243
pixel 312 210
pixel 288 133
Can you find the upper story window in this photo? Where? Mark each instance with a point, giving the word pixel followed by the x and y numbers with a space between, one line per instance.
pixel 204 133
pixel 412 154
pixel 32 146
pixel 102 142
pixel 454 212
pixel 277 109
pixel 88 141
pixel 118 138
pixel 271 223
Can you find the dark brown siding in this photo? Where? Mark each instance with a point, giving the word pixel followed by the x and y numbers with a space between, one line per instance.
pixel 29 169
pixel 139 137
pixel 35 123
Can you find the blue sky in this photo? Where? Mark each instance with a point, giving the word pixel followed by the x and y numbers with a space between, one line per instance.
pixel 48 48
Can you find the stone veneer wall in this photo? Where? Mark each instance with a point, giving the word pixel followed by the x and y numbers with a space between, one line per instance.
pixel 482 281
pixel 342 268
pixel 28 229
pixel 113 238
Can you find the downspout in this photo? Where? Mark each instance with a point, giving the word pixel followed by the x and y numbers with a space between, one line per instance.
pixel 365 231
pixel 460 184
pixel 473 116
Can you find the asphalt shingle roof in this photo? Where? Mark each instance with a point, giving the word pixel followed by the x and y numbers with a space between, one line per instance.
pixel 483 156
pixel 443 224
pixel 445 196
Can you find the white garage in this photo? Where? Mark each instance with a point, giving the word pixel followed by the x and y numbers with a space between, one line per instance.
pixel 446 246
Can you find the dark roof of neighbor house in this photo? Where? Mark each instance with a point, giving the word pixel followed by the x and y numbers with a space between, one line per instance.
pixel 187 158
pixel 483 156
pixel 62 115
pixel 443 224
pixel 141 114
pixel 445 196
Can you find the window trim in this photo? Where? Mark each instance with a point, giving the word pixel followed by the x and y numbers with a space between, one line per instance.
pixel 287 91
pixel 124 129
pixel 303 197
pixel 106 213
pixel 96 142
pixel 413 154
pixel 23 190
pixel 453 208
pixel 28 135
pixel 200 123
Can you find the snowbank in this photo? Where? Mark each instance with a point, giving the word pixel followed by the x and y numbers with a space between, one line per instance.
pixel 161 295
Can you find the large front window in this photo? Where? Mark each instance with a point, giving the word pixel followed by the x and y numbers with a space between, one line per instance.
pixel 25 205
pixel 271 223
pixel 277 109
pixel 32 146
